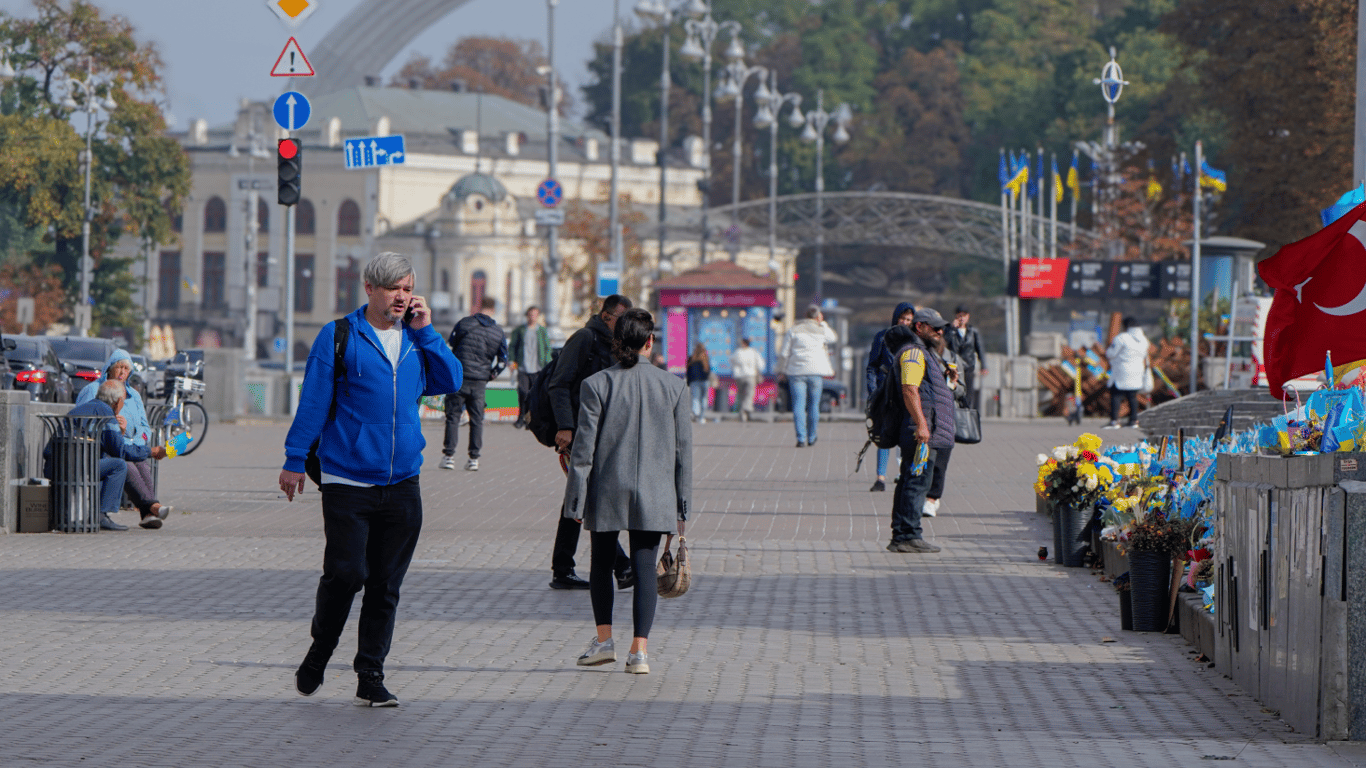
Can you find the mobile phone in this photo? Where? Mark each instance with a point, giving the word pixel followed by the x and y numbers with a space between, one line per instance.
pixel 408 315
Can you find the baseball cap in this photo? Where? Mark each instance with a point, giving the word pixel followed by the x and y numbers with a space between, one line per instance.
pixel 930 317
pixel 963 308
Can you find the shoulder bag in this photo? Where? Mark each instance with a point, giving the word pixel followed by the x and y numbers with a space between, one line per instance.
pixel 967 426
pixel 673 574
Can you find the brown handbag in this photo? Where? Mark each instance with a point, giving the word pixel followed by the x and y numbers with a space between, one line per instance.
pixel 673 574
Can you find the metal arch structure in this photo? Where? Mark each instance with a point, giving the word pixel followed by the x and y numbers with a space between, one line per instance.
pixel 945 224
pixel 367 39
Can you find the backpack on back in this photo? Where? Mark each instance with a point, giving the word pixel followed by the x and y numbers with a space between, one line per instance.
pixel 341 335
pixel 540 414
pixel 885 412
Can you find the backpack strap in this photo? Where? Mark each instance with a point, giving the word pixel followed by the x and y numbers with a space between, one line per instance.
pixel 341 336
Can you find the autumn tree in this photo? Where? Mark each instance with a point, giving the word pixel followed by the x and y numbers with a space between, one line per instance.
pixel 593 233
pixel 139 175
pixel 495 65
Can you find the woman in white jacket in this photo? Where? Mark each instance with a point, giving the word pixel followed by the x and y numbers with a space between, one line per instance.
pixel 805 361
pixel 1128 355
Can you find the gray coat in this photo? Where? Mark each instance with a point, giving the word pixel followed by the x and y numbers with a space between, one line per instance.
pixel 631 465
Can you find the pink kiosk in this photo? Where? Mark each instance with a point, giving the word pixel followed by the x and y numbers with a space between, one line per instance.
pixel 717 304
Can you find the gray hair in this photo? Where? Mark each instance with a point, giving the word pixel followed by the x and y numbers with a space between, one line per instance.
pixel 110 393
pixel 387 270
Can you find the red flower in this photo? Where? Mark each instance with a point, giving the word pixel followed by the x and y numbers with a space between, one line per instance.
pixel 1090 456
pixel 1198 555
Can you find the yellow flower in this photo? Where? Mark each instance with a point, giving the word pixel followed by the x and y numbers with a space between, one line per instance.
pixel 1088 442
pixel 1105 476
pixel 1086 469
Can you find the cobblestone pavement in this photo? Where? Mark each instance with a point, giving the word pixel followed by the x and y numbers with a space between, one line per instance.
pixel 802 642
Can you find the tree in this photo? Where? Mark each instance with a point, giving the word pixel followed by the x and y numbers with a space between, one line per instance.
pixel 139 175
pixel 495 65
pixel 591 230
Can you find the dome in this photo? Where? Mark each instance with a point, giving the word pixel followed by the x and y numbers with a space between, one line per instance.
pixel 477 184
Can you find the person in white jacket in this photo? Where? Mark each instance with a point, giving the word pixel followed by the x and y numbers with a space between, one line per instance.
pixel 805 361
pixel 745 365
pixel 1128 356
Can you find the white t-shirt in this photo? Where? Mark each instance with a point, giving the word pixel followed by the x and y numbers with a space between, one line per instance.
pixel 531 350
pixel 392 342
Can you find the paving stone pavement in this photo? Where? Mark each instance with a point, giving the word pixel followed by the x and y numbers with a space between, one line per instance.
pixel 801 643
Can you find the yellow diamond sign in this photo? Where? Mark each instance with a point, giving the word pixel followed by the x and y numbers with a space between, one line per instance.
pixel 292 12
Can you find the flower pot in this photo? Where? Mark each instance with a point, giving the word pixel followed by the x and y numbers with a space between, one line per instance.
pixel 1056 515
pixel 1150 579
pixel 1126 610
pixel 1072 522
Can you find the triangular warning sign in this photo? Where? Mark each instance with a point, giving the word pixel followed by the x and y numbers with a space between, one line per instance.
pixel 292 62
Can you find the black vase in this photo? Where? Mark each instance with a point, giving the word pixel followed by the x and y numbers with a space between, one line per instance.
pixel 1074 522
pixel 1057 531
pixel 1126 610
pixel 1150 584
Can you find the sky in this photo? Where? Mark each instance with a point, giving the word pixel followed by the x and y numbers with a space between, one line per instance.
pixel 217 52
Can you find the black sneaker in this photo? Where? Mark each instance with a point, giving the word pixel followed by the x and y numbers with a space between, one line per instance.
pixel 370 691
pixel 568 580
pixel 626 579
pixel 878 486
pixel 309 678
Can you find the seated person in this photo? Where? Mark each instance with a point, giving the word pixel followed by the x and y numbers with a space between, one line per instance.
pixel 136 431
pixel 116 452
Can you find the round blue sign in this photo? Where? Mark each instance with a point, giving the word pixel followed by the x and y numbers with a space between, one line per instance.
pixel 291 110
pixel 550 193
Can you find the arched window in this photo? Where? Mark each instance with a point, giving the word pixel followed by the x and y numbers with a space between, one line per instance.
pixel 478 285
pixel 348 219
pixel 262 216
pixel 215 215
pixel 304 222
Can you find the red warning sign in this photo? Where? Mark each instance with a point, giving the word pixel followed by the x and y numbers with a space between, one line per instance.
pixel 292 62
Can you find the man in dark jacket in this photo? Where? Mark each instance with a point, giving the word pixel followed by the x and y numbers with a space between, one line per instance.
pixel 529 352
pixel 115 451
pixel 482 349
pixel 588 351
pixel 928 421
pixel 966 342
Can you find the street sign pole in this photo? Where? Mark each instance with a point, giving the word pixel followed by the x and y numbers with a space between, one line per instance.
pixel 289 303
pixel 552 257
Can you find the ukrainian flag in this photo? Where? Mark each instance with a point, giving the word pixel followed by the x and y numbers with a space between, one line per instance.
pixel 1074 178
pixel 1057 182
pixel 1019 175
pixel 1211 178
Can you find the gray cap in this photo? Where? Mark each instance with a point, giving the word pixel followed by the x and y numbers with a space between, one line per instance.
pixel 930 317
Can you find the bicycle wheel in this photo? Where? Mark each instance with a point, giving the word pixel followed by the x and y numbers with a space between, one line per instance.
pixel 194 420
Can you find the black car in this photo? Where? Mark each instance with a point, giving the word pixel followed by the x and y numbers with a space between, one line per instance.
pixel 88 354
pixel 37 369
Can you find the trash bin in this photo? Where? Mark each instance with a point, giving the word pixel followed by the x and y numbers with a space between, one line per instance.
pixel 75 442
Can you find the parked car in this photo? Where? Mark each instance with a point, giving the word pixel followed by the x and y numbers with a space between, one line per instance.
pixel 88 354
pixel 146 378
pixel 37 369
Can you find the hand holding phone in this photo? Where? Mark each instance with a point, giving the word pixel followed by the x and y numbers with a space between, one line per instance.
pixel 418 315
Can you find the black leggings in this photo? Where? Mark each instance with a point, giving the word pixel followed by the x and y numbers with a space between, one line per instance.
pixel 644 553
pixel 1130 395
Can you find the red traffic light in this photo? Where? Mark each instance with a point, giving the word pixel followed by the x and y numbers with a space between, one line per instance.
pixel 289 148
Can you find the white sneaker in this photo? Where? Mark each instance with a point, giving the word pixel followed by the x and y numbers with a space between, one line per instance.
pixel 448 462
pixel 472 465
pixel 638 663
pixel 930 509
pixel 598 653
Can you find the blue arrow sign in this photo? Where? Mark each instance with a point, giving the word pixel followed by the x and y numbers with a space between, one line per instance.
pixel 371 151
pixel 550 193
pixel 291 110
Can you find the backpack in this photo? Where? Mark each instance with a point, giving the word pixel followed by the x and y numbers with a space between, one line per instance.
pixel 886 410
pixel 540 413
pixel 341 335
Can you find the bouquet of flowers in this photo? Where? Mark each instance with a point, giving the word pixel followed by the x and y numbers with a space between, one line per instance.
pixel 1076 475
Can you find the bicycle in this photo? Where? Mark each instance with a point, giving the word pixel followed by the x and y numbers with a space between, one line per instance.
pixel 186 414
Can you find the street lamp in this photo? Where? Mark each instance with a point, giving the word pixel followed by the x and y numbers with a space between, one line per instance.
pixel 816 121
pixel 255 149
pixel 701 34
pixel 91 103
pixel 770 105
pixel 659 11
pixel 737 73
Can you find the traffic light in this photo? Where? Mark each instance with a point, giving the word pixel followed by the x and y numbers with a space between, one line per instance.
pixel 288 182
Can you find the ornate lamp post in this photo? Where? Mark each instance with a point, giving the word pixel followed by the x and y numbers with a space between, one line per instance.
pixel 816 121
pixel 659 11
pixel 736 74
pixel 767 117
pixel 701 34
pixel 91 103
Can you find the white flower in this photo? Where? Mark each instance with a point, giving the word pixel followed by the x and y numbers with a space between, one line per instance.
pixel 1073 452
pixel 1060 453
pixel 1042 459
pixel 1091 482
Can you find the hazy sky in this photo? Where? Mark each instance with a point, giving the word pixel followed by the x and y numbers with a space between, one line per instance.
pixel 219 51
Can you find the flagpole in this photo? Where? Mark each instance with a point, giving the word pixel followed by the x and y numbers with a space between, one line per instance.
pixel 1043 243
pixel 1075 191
pixel 1005 251
pixel 1195 272
pixel 1053 198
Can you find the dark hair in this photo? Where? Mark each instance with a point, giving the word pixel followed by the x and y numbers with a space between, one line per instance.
pixel 612 302
pixel 532 308
pixel 488 302
pixel 812 311
pixel 744 341
pixel 633 330
pixel 1129 322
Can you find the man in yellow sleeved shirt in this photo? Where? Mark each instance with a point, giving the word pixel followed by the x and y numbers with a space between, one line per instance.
pixel 929 421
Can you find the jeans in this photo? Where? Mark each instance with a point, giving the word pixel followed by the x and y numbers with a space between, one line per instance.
pixel 698 389
pixel 139 486
pixel 806 406
pixel 882 455
pixel 371 535
pixel 911 490
pixel 113 474
pixel 1131 395
pixel 469 398
pixel 567 541
pixel 644 555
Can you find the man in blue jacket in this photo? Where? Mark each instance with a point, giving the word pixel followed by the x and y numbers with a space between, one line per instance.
pixel 365 419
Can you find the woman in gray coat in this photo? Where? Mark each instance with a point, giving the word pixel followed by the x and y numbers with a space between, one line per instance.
pixel 630 469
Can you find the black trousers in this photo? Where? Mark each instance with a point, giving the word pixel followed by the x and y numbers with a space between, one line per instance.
pixel 973 392
pixel 941 471
pixel 523 393
pixel 567 542
pixel 1130 395
pixel 644 555
pixel 371 535
pixel 469 398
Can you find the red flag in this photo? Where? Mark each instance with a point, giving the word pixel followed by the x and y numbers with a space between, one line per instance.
pixel 1320 296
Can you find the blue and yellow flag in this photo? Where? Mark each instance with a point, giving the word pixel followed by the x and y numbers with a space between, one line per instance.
pixel 1019 175
pixel 1057 182
pixel 1212 179
pixel 1074 177
pixel 1154 186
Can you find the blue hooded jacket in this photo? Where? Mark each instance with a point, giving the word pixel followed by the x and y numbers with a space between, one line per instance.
pixel 377 436
pixel 134 412
pixel 879 355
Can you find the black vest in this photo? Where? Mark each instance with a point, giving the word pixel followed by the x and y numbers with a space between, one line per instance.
pixel 936 399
